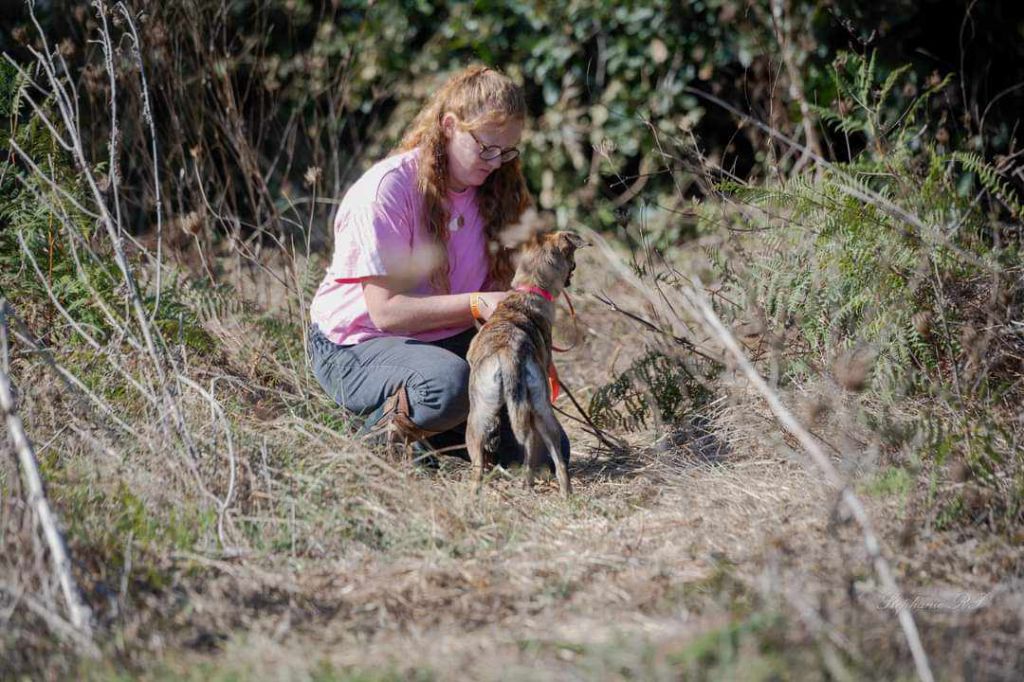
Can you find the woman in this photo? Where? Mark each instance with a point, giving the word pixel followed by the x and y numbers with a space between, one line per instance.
pixel 416 259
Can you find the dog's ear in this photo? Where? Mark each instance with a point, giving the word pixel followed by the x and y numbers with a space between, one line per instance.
pixel 570 241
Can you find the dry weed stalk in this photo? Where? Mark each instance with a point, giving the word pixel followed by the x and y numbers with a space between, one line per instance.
pixel 222 505
pixel 782 26
pixel 695 305
pixel 159 379
pixel 65 96
pixel 147 114
pixel 78 611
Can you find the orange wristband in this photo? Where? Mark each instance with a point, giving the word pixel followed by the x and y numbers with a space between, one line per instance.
pixel 474 306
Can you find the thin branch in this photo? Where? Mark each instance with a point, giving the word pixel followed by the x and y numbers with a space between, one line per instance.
pixel 595 430
pixel 57 625
pixel 697 305
pixel 78 610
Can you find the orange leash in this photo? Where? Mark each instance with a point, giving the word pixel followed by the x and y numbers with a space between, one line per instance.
pixel 553 382
pixel 552 372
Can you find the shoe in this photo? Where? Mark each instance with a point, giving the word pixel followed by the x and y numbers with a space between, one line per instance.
pixel 391 426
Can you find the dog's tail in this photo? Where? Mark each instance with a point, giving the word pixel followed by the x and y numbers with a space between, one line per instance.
pixel 525 388
pixel 527 399
pixel 530 414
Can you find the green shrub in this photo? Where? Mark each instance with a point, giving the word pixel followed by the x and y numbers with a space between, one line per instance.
pixel 896 256
pixel 655 387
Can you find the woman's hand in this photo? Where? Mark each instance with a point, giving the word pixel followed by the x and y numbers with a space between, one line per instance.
pixel 488 302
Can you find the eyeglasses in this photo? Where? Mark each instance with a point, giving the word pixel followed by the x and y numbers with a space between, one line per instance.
pixel 491 152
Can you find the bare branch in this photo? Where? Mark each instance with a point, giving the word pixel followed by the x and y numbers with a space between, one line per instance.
pixel 78 611
pixel 696 304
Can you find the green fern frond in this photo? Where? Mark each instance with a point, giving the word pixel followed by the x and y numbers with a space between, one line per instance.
pixel 654 386
pixel 990 180
pixel 890 82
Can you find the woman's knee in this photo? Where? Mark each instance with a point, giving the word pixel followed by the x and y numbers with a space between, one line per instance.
pixel 439 397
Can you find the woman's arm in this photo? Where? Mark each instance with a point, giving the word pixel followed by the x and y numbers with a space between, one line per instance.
pixel 400 313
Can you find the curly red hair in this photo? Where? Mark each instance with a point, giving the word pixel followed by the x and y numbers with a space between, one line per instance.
pixel 478 96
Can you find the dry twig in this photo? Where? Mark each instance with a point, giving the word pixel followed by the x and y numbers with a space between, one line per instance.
pixel 696 305
pixel 78 611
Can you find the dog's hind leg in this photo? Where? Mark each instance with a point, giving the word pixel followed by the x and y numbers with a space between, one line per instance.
pixel 485 400
pixel 534 456
pixel 547 424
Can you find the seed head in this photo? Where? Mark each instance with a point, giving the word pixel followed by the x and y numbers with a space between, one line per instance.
pixel 817 410
pixel 312 176
pixel 192 223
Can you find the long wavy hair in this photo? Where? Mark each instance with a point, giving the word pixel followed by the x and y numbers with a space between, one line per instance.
pixel 479 96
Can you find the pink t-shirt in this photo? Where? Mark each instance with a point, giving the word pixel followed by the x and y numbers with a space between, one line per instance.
pixel 377 230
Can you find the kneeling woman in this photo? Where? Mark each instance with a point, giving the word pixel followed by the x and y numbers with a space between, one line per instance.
pixel 416 259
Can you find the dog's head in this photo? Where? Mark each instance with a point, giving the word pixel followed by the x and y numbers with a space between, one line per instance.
pixel 548 259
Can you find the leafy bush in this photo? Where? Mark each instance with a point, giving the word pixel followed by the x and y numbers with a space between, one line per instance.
pixel 29 207
pixel 898 282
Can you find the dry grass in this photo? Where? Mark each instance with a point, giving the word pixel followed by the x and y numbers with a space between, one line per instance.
pixel 672 558
pixel 223 523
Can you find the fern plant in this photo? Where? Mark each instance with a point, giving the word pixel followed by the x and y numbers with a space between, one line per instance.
pixel 27 208
pixel 654 387
pixel 833 255
pixel 848 270
pixel 865 103
pixel 48 244
pixel 858 276
pixel 991 181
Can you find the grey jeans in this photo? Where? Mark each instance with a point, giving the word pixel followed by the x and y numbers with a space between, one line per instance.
pixel 360 377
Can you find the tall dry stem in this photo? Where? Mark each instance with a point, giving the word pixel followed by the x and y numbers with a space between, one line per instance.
pixel 699 312
pixel 78 611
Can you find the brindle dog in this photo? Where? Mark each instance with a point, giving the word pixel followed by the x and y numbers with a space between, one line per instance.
pixel 509 359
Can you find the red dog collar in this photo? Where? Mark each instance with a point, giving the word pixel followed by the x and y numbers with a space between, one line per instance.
pixel 530 289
